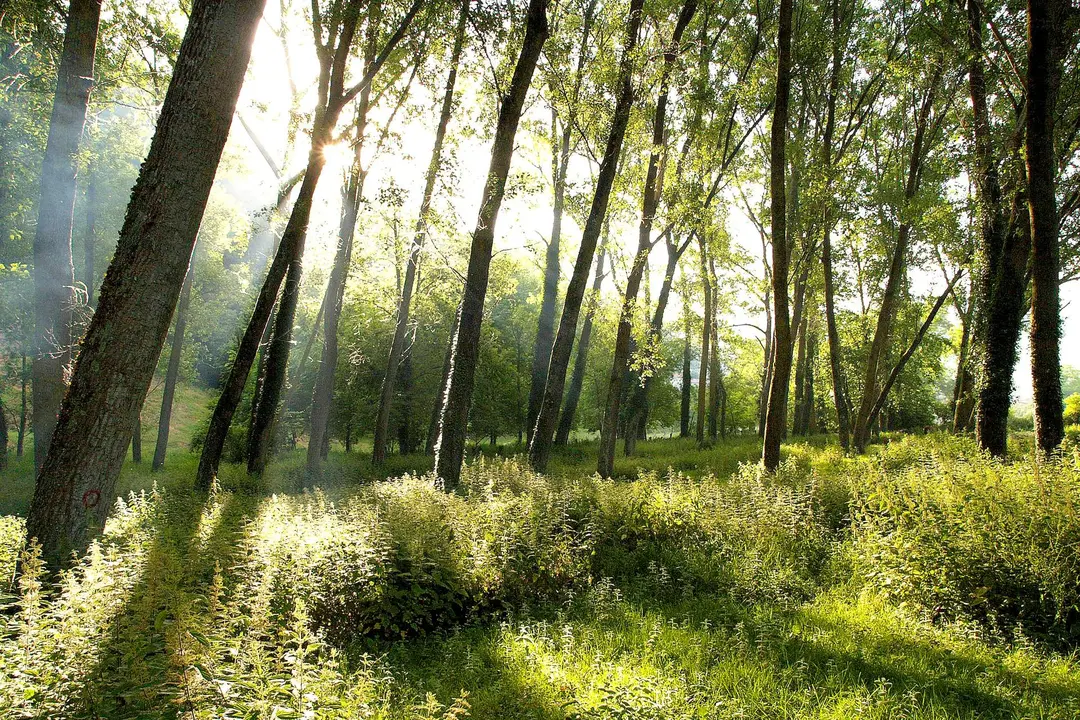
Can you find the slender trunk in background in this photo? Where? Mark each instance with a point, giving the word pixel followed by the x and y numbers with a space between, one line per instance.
pixel 120 352
pixel 706 339
pixel 1045 18
pixel 684 404
pixel 993 339
pixel 172 375
pixel 54 271
pixel 766 372
pixel 800 379
pixel 433 423
pixel 639 400
pixel 136 441
pixel 3 436
pixel 541 443
pixel 714 385
pixel 545 324
pixel 577 378
pixel 405 431
pixel 840 399
pixel 23 376
pixel 776 412
pixel 454 417
pixel 323 394
pixel 605 462
pixel 963 398
pixel 891 297
pixel 882 396
pixel 90 237
pixel 386 395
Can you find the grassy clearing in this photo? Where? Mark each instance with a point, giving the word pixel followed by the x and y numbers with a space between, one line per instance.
pixel 923 581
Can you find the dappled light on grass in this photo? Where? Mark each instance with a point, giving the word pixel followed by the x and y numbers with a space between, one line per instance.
pixel 670 595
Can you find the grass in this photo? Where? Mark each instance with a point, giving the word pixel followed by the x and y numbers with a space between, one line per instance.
pixel 839 588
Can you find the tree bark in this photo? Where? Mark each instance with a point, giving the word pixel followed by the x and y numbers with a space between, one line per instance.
pixel 54 270
pixel 706 341
pixel 454 417
pixel 800 379
pixel 323 395
pixel 3 436
pixel 651 198
pixel 120 352
pixel 433 423
pixel 21 437
pixel 577 379
pixel 540 445
pixel 386 395
pixel 776 412
pixel 173 372
pixel 136 441
pixel 1045 18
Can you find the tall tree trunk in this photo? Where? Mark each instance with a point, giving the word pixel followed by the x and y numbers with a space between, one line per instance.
pixel 577 379
pixel 776 412
pixel 405 431
pixel 173 372
pixel 766 372
pixel 1045 18
pixel 136 441
pixel 706 340
pixel 54 271
pixel 963 398
pixel 540 446
pixel 891 297
pixel 386 395
pixel 89 239
pixel 454 417
pixel 545 324
pixel 120 352
pixel 714 380
pixel 993 336
pixel 684 401
pixel 23 377
pixel 323 395
pixel 651 198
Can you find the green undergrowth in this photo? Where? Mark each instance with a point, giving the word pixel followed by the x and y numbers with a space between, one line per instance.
pixel 921 581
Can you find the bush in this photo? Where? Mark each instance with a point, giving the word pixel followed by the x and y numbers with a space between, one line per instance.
pixel 963 535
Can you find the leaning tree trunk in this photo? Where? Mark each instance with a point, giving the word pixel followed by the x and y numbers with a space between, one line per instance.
pixel 577 379
pixel 540 445
pixel 54 271
pixel 891 296
pixel 173 372
pixel 90 238
pixel 605 462
pixel 1043 76
pixel 323 395
pixel 397 344
pixel 454 417
pixel 122 344
pixel 776 412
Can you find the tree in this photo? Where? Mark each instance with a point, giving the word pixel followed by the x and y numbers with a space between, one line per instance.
pixel 577 378
pixel 54 271
pixel 776 413
pixel 454 415
pixel 386 395
pixel 333 51
pixel 1046 19
pixel 122 344
pixel 650 200
pixel 172 374
pixel 540 445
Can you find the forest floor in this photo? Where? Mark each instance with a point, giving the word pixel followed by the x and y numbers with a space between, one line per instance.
pixel 922 581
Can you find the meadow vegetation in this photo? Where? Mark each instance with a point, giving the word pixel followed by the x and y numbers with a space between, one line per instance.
pixel 923 580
